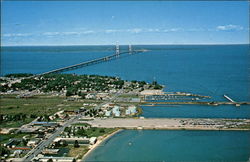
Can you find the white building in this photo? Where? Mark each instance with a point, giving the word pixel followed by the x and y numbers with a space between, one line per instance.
pixel 131 110
pixel 116 111
pixel 92 140
pixel 107 113
pixel 33 142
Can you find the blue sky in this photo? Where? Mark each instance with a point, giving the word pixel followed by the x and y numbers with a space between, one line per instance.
pixel 128 22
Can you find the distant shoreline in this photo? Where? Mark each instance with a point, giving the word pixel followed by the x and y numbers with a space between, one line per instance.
pixel 121 45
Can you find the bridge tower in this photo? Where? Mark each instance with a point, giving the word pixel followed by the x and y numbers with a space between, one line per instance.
pixel 130 49
pixel 117 49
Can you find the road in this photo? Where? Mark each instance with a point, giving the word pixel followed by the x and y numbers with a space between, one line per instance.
pixel 38 149
pixel 34 152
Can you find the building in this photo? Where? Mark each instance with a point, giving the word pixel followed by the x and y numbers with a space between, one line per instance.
pixel 127 112
pixel 45 124
pixel 81 140
pixel 42 158
pixel 107 113
pixel 50 151
pixel 12 143
pixel 132 109
pixel 92 140
pixel 116 111
pixel 33 142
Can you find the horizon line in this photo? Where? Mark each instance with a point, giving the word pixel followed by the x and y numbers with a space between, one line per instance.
pixel 128 44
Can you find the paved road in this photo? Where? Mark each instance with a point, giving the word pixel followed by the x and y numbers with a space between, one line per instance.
pixel 38 149
pixel 34 152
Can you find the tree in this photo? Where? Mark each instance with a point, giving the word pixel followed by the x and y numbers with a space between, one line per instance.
pixel 101 130
pixel 69 93
pixel 50 160
pixel 76 144
pixel 81 132
pixel 24 142
pixel 64 143
pixel 4 151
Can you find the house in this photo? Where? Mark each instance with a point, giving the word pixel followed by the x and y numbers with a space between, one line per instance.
pixel 43 158
pixel 90 96
pixel 50 151
pixel 92 140
pixel 12 143
pixel 33 142
pixel 71 140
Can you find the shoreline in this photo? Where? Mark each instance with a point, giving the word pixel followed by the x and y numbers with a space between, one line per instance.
pixel 103 138
pixel 188 128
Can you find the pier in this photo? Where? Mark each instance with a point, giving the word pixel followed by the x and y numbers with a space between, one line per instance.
pixel 213 103
pixel 231 100
pixel 117 54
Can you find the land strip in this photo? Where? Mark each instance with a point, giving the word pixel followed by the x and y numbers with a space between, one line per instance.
pixel 172 123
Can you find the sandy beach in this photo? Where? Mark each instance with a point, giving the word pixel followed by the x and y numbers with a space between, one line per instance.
pixel 99 141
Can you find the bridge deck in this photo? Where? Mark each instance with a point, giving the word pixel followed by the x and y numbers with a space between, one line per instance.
pixel 87 63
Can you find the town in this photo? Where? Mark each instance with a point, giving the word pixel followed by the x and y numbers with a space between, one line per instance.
pixel 61 117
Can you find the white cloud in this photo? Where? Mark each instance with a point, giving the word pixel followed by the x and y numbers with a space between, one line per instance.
pixel 228 27
pixel 17 34
pixel 173 30
pixel 51 33
pixel 135 30
pixel 70 33
pixel 111 31
pixel 88 32
pixel 67 33
pixel 153 30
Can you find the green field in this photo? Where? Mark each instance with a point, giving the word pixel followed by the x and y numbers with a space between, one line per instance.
pixel 38 105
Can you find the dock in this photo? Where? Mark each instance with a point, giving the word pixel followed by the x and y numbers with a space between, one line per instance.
pixel 213 103
pixel 231 100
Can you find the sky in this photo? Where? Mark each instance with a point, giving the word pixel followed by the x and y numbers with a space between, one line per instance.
pixel 128 22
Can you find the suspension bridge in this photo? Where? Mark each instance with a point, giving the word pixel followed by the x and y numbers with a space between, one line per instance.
pixel 117 54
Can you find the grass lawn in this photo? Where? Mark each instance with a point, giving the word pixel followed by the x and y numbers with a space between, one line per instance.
pixel 15 124
pixel 5 137
pixel 77 152
pixel 96 132
pixel 38 105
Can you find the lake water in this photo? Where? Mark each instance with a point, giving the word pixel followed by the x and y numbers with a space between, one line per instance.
pixel 212 70
pixel 205 70
pixel 174 146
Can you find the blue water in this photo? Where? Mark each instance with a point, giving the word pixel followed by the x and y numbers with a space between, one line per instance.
pixel 205 70
pixel 196 111
pixel 174 146
pixel 212 70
